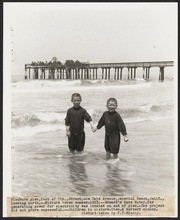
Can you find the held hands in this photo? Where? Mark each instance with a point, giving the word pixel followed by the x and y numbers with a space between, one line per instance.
pixel 93 128
pixel 126 139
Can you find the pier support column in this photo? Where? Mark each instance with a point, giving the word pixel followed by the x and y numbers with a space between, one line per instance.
pixel 135 72
pixel 84 70
pixel 161 73
pixel 146 72
pixel 84 73
pixel 115 73
pixel 143 72
pixel 38 73
pixel 131 73
pixel 43 71
pixel 49 76
pixel 29 73
pixel 121 73
pixel 128 72
pixel 78 74
pixel 53 73
pixel 81 73
pixel 89 70
pixel 149 72
pixel 105 73
pixel 35 73
pixel 109 73
pixel 63 73
pixel 67 73
pixel 60 74
pixel 95 73
pixel 70 73
pixel 87 73
pixel 50 73
pixel 102 73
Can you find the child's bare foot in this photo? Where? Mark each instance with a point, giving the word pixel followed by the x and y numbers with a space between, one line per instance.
pixel 115 156
pixel 78 152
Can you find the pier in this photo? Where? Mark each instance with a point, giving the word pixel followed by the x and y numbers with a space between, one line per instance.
pixel 90 70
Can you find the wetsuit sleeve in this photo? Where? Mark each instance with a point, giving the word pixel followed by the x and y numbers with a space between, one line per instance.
pixel 87 117
pixel 121 125
pixel 67 119
pixel 101 122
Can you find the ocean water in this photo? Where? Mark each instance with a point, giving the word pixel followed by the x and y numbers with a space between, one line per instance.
pixel 42 164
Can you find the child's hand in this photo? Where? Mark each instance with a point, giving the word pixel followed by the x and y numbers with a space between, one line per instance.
pixel 94 129
pixel 68 133
pixel 126 139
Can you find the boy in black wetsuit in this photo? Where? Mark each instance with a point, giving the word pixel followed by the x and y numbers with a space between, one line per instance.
pixel 114 125
pixel 74 122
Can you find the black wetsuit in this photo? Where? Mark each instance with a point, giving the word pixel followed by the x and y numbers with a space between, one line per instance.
pixel 114 125
pixel 75 120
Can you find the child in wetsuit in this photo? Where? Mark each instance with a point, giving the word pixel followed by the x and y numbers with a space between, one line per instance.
pixel 74 122
pixel 114 125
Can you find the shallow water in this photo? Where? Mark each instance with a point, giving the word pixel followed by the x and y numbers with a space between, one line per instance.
pixel 42 164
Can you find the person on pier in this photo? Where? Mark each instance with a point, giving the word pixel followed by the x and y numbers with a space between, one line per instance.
pixel 114 125
pixel 74 122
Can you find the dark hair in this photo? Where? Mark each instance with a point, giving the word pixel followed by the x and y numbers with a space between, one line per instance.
pixel 75 95
pixel 112 99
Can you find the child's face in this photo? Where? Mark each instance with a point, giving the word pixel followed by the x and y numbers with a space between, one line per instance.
pixel 111 106
pixel 76 101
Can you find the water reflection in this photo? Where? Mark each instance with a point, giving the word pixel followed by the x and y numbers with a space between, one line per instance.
pixel 116 182
pixel 78 176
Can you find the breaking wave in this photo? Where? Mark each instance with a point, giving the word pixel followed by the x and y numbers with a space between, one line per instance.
pixel 35 122
pixel 66 85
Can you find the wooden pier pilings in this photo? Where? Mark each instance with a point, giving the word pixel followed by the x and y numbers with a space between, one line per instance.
pixel 91 71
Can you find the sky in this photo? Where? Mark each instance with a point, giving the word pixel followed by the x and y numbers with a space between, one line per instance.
pixel 94 32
